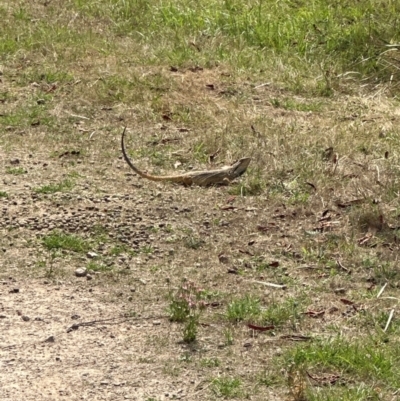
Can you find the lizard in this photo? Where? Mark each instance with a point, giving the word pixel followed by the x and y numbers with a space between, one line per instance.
pixel 222 176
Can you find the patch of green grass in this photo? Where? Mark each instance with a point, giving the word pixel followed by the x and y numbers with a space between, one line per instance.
pixel 172 370
pixel 366 359
pixel 3 194
pixel 291 104
pixel 279 313
pixel 116 88
pixel 31 115
pixel 228 336
pixel 62 186
pixel 49 77
pixel 313 41
pixel 120 248
pixel 15 170
pixel 200 152
pixel 98 267
pixel 59 240
pixel 193 242
pixel 332 39
pixel 252 185
pixel 381 271
pixel 386 272
pixel 155 268
pixel 168 228
pixel 117 250
pixel 269 378
pixel 210 362
pixel 247 307
pixel 186 357
pixel 145 360
pixel 74 175
pixel 361 392
pixel 147 249
pixel 227 387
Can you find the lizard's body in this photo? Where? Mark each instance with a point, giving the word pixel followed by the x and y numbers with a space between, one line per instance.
pixel 223 176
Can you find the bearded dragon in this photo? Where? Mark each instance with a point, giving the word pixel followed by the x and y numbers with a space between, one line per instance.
pixel 222 176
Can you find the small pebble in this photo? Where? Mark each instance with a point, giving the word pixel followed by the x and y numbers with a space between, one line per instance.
pixel 80 272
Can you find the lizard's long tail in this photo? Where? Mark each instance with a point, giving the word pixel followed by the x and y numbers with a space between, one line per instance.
pixel 136 170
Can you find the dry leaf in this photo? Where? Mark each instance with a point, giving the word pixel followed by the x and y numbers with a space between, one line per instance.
pixel 365 239
pixel 246 252
pixel 260 328
pixel 274 264
pixel 295 337
pixel 266 227
pixel 339 263
pixel 312 185
pixel 228 207
pixel 346 301
pixel 314 314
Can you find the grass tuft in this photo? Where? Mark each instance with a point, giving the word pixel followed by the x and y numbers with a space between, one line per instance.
pixel 227 387
pixel 62 186
pixel 59 240
pixel 15 170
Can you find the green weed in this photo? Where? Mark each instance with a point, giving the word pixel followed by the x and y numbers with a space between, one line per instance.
pixel 227 387
pixel 210 362
pixel 62 186
pixel 247 307
pixel 357 358
pixel 59 240
pixel 15 170
pixel 193 242
pixel 98 267
pixel 185 306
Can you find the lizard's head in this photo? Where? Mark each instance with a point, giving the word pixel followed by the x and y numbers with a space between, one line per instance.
pixel 241 165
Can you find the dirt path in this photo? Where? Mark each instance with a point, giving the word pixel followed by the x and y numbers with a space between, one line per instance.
pixel 125 347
